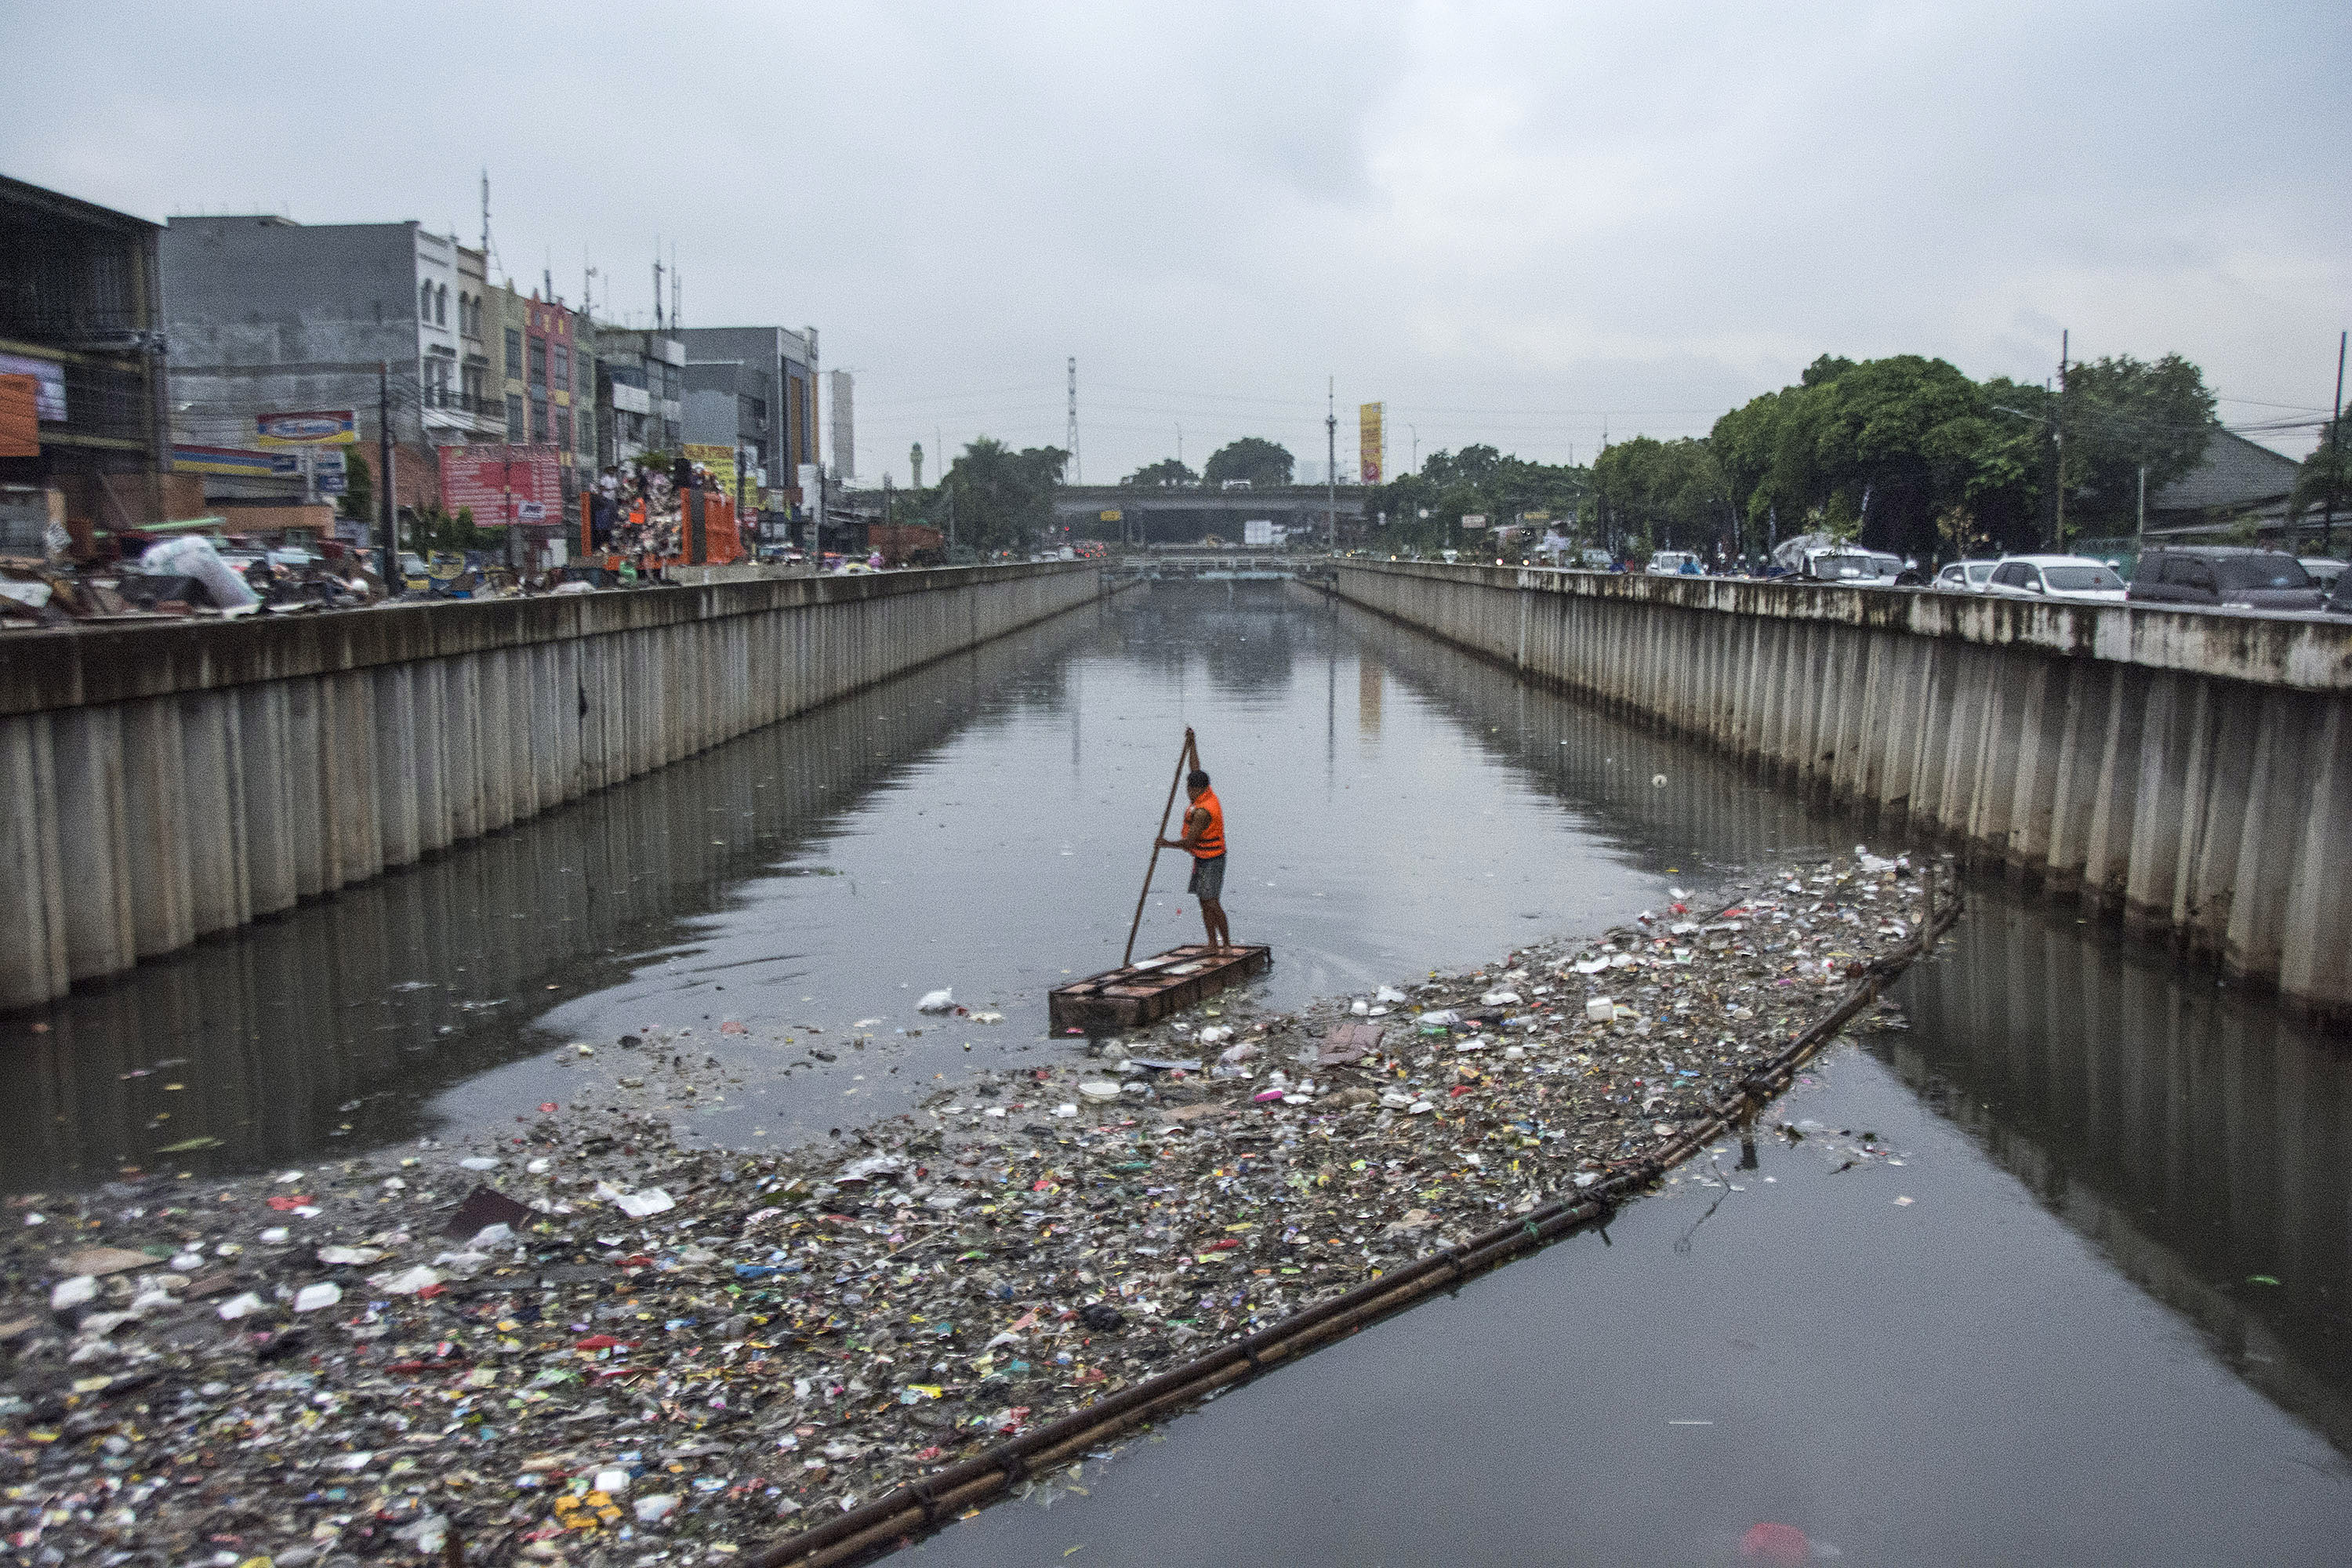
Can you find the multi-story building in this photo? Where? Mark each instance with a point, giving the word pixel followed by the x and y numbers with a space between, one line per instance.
pixel 773 365
pixel 80 317
pixel 471 411
pixel 266 315
pixel 640 393
pixel 543 367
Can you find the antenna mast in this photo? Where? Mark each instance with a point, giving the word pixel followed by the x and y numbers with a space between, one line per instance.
pixel 1070 434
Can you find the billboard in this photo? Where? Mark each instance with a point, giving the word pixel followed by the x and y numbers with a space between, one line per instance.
pixel 308 427
pixel 502 484
pixel 1474 521
pixel 49 384
pixel 718 460
pixel 237 460
pixel 1370 449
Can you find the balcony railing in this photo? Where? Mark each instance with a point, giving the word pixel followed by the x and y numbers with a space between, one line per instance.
pixel 482 406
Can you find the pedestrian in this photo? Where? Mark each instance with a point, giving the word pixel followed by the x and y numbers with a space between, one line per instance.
pixel 1204 840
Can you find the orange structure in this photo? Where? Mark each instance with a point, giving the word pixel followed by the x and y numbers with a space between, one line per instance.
pixel 707 534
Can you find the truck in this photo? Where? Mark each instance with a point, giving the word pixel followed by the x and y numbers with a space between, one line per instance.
pixel 1259 532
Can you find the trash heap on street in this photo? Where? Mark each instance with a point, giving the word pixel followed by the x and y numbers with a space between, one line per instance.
pixel 592 1338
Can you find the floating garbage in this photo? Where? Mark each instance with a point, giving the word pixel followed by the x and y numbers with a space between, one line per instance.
pixel 706 1348
pixel 939 1001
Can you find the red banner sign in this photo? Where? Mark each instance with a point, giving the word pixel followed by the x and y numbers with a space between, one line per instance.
pixel 503 484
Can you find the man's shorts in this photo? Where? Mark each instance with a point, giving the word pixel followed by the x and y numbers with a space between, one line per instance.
pixel 1208 882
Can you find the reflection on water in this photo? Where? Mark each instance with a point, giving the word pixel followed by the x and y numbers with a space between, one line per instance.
pixel 2198 1136
pixel 983 824
pixel 332 1025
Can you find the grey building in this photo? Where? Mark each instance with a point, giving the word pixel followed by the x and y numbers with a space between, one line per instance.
pixel 771 365
pixel 268 315
pixel 640 393
pixel 845 429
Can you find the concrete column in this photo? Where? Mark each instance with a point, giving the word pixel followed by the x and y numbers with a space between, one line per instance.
pixel 547 725
pixel 430 704
pixel 2277 797
pixel 2168 737
pixel 399 837
pixel 2315 965
pixel 267 790
pixel 94 849
pixel 309 794
pixel 491 731
pixel 33 964
pixel 519 731
pixel 461 737
pixel 2040 739
pixel 2075 783
pixel 1992 792
pixel 220 893
pixel 154 784
pixel 2209 856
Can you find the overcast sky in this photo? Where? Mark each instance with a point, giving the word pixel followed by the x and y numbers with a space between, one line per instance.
pixel 1521 224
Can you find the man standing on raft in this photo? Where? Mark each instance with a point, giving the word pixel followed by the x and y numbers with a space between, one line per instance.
pixel 1204 840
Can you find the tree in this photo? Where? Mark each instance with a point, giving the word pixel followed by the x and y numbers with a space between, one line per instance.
pixel 1261 462
pixel 2322 477
pixel 1478 479
pixel 1167 473
pixel 1664 494
pixel 1004 497
pixel 2121 414
pixel 359 495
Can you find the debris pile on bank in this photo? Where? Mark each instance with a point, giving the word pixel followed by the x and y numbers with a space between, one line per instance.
pixel 593 1336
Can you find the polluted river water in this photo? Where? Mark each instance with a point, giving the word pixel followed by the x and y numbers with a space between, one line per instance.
pixel 2111 1325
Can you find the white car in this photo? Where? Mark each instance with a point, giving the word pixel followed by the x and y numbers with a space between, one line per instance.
pixel 1669 562
pixel 1966 576
pixel 2073 578
pixel 2324 569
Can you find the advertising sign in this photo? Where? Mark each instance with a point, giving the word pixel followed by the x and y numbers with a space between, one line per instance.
pixel 187 460
pixel 718 460
pixel 20 420
pixel 1111 514
pixel 1370 449
pixel 1474 521
pixel 309 427
pixel 502 484
pixel 49 393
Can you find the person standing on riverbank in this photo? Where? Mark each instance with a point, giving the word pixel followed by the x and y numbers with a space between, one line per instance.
pixel 1204 840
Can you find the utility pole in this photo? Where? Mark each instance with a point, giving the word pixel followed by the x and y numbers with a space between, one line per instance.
pixel 1415 431
pixel 383 479
pixel 1332 464
pixel 2334 452
pixel 2058 532
pixel 2139 542
pixel 658 284
pixel 1070 432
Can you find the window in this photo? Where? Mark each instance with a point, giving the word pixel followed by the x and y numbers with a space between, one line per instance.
pixel 441 306
pixel 2010 574
pixel 562 367
pixel 538 424
pixel 2263 572
pixel 563 427
pixel 2191 573
pixel 514 353
pixel 514 415
pixel 539 362
pixel 671 379
pixel 2082 579
pixel 425 301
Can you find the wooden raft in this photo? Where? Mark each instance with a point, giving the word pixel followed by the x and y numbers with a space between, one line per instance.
pixel 1150 989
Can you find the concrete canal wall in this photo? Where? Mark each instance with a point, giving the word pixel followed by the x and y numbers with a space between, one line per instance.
pixel 2189 770
pixel 166 782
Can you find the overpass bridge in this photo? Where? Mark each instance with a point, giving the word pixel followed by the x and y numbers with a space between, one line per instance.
pixel 1168 516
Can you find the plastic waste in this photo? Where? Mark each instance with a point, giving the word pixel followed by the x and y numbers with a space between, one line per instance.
pixel 939 1001
pixel 193 555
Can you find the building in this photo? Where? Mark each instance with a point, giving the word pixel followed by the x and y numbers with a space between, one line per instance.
pixel 2235 482
pixel 473 410
pixel 269 316
pixel 81 320
pixel 640 393
pixel 731 403
pixel 845 429
pixel 772 364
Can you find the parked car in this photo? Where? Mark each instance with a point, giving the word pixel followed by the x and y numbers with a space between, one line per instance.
pixel 2324 569
pixel 1670 562
pixel 1595 560
pixel 2229 576
pixel 1966 576
pixel 2074 577
pixel 1854 567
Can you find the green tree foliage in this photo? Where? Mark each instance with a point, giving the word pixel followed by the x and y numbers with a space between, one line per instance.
pixel 1003 498
pixel 1166 472
pixel 2121 414
pixel 1664 495
pixel 1262 462
pixel 359 496
pixel 1477 478
pixel 2327 472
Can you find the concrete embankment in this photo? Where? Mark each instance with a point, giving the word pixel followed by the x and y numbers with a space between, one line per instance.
pixel 2189 770
pixel 169 782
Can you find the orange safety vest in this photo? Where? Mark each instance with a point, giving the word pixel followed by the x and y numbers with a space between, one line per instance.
pixel 1211 842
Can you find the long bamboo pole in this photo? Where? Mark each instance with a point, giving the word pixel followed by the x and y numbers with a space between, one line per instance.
pixel 1189 752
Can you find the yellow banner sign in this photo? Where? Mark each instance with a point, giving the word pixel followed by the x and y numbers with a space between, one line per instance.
pixel 1112 515
pixel 1370 450
pixel 718 460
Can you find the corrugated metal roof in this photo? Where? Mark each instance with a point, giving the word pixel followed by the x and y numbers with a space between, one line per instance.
pixel 2236 474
